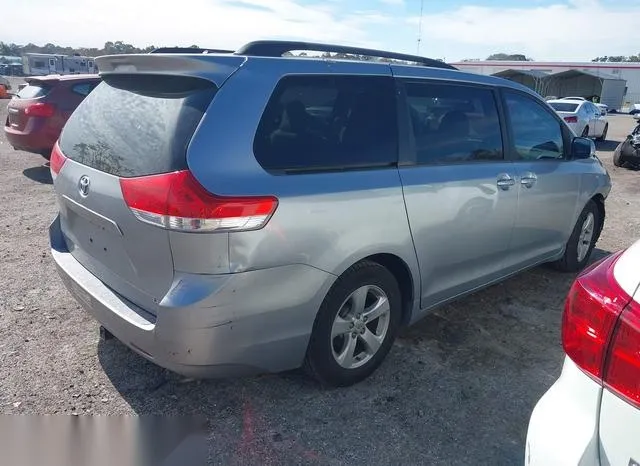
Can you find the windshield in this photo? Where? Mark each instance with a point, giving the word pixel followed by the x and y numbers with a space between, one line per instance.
pixel 564 106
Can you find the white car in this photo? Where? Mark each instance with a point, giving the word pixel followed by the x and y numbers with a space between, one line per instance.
pixel 604 109
pixel 591 415
pixel 583 117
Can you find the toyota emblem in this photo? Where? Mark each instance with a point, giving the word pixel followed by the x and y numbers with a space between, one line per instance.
pixel 83 185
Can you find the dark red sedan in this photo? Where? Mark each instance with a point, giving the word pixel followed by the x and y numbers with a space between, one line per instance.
pixel 39 110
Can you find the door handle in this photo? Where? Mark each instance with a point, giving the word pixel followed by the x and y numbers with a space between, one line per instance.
pixel 528 180
pixel 505 181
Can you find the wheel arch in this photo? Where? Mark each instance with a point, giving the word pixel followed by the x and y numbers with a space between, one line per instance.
pixel 402 273
pixel 405 273
pixel 598 200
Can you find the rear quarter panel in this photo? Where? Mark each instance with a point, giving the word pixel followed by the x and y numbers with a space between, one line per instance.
pixel 326 220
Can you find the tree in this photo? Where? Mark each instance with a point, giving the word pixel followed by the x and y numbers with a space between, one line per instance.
pixel 110 48
pixel 508 57
pixel 617 58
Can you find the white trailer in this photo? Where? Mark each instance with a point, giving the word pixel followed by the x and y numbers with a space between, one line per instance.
pixel 42 64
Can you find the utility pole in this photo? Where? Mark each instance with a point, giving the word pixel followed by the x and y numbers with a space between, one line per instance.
pixel 420 25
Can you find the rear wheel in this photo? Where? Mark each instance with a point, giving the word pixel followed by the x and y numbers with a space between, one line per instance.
pixel 582 241
pixel 355 326
pixel 603 136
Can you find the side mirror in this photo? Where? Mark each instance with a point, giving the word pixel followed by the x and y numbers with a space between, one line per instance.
pixel 582 148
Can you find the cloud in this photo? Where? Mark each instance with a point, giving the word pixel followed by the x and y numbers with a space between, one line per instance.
pixel 579 30
pixel 208 23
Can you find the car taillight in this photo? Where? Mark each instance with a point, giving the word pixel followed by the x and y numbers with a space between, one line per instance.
pixel 40 109
pixel 622 373
pixel 177 201
pixel 571 119
pixel 56 160
pixel 601 330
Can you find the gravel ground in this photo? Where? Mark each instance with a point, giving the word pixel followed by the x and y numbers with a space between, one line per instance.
pixel 458 388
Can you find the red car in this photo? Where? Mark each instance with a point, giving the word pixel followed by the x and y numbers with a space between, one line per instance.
pixel 39 110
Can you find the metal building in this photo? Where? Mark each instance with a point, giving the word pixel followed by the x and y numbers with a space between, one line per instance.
pixel 614 75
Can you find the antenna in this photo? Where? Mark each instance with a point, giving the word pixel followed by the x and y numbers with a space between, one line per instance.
pixel 420 25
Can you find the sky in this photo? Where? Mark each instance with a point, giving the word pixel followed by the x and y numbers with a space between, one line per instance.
pixel 576 30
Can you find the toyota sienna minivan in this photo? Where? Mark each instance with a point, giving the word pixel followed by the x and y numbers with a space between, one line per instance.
pixel 232 213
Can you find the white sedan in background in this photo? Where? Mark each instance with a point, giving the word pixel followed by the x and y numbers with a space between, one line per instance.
pixel 583 117
pixel 591 415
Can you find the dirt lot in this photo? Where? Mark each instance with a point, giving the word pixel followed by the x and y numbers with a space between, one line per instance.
pixel 456 389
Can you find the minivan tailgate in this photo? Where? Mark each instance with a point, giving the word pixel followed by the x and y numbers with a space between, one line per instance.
pixel 129 256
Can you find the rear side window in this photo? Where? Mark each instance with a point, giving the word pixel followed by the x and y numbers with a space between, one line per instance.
pixel 328 123
pixel 454 123
pixel 84 88
pixel 33 91
pixel 136 125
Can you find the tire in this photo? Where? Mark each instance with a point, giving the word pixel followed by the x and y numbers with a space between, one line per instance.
pixel 617 157
pixel 46 154
pixel 365 279
pixel 575 258
pixel 585 132
pixel 603 137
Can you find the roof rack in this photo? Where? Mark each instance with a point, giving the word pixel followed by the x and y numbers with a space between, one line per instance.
pixel 276 48
pixel 188 50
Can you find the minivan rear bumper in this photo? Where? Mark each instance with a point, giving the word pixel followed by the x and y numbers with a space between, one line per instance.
pixel 209 325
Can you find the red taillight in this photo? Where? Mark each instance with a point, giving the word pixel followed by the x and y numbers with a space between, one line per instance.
pixel 601 330
pixel 56 161
pixel 177 201
pixel 40 109
pixel 592 308
pixel 571 119
pixel 622 374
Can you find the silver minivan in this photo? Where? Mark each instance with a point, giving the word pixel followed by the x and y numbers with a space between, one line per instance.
pixel 231 213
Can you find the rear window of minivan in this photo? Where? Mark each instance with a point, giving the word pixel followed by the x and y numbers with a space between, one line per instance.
pixel 137 125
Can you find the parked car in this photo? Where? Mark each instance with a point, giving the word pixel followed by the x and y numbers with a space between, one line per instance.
pixel 604 109
pixel 233 213
pixel 583 117
pixel 5 87
pixel 582 99
pixel 635 109
pixel 591 415
pixel 39 110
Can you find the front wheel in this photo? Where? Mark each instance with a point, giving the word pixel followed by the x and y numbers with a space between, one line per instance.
pixel 355 326
pixel 582 241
